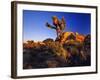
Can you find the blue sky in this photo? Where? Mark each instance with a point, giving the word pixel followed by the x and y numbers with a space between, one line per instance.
pixel 34 24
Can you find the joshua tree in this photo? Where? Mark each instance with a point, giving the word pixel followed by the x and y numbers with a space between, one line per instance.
pixel 58 25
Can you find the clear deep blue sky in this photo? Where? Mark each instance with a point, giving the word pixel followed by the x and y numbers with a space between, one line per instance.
pixel 34 24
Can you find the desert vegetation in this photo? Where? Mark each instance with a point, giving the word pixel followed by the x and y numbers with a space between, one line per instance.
pixel 67 51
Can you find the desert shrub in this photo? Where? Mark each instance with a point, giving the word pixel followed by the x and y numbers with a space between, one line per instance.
pixel 77 54
pixel 52 63
pixel 57 49
pixel 87 43
pixel 48 40
pixel 30 41
pixel 74 51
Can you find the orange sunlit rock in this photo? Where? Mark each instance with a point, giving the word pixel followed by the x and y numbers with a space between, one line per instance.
pixel 80 38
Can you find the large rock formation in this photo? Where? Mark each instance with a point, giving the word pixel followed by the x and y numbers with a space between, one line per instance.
pixel 67 36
